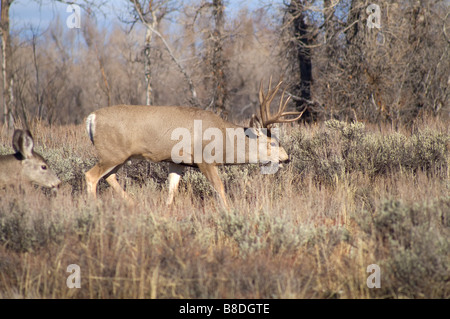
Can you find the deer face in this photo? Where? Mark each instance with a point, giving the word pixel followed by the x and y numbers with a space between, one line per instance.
pixel 26 165
pixel 269 148
pixel 36 170
pixel 265 123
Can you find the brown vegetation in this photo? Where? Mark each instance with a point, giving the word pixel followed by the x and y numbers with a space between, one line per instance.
pixel 335 66
pixel 368 182
pixel 352 196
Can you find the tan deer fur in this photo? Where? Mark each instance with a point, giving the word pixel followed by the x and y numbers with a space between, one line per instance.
pixel 26 165
pixel 123 132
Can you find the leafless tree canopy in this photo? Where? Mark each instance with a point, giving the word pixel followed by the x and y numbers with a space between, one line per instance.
pixel 210 54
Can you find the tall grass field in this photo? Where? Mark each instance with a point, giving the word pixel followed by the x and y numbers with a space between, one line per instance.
pixel 353 195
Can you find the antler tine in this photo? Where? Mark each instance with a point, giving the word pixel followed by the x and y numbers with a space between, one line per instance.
pixel 278 117
pixel 281 112
pixel 270 96
pixel 282 106
pixel 265 100
pixel 261 102
pixel 294 119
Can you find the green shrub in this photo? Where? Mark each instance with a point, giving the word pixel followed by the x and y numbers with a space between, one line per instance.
pixel 317 155
pixel 341 148
pixel 412 246
pixel 23 229
pixel 263 232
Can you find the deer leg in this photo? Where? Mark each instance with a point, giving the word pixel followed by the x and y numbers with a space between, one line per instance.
pixel 212 174
pixel 175 172
pixel 112 181
pixel 94 175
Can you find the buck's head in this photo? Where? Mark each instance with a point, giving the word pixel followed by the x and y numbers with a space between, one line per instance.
pixel 263 125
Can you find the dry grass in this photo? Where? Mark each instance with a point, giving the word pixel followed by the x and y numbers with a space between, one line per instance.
pixel 352 196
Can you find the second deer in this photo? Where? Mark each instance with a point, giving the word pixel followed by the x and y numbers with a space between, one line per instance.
pixel 25 165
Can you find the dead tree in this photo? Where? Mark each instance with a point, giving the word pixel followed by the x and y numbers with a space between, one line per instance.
pixel 150 13
pixel 218 62
pixel 302 38
pixel 8 82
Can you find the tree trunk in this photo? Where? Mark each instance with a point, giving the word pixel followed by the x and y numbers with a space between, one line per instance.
pixel 328 14
pixel 218 61
pixel 147 67
pixel 355 35
pixel 303 40
pixel 8 95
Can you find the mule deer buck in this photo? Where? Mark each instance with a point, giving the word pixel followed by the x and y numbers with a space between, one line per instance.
pixel 122 132
pixel 25 165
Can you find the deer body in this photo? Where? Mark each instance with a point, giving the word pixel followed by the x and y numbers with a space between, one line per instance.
pixel 122 132
pixel 145 130
pixel 25 166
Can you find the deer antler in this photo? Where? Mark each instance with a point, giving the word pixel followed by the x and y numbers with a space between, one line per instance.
pixel 265 100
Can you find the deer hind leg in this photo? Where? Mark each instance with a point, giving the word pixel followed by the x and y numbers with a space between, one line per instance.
pixel 175 172
pixel 212 174
pixel 96 173
pixel 112 181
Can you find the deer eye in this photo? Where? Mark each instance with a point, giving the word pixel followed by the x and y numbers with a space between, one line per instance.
pixel 44 167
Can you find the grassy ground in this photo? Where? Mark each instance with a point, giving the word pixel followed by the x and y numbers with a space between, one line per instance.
pixel 352 196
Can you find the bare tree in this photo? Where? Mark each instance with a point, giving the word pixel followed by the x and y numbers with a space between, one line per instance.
pixel 214 58
pixel 8 97
pixel 335 65
pixel 355 22
pixel 91 36
pixel 7 58
pixel 150 13
pixel 302 37
pixel 218 60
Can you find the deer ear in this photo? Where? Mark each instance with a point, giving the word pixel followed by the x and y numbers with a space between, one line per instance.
pixel 23 143
pixel 255 122
pixel 16 137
